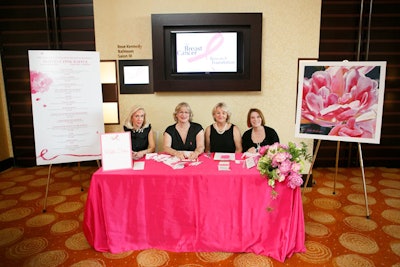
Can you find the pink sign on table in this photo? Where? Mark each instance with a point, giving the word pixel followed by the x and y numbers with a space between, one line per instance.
pixel 116 153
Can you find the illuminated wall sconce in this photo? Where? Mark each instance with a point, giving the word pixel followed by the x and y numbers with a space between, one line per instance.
pixel 108 76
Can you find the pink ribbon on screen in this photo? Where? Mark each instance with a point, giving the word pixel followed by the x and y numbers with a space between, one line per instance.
pixel 210 48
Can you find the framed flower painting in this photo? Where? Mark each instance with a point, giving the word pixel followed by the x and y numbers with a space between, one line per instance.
pixel 340 101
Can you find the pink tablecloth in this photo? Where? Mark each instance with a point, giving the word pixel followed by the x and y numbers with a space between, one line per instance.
pixel 195 209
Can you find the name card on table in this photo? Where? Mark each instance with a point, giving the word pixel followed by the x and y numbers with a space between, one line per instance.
pixel 224 156
pixel 224 166
pixel 116 151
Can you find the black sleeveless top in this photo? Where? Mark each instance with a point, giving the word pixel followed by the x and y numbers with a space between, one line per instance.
pixel 222 142
pixel 271 137
pixel 190 144
pixel 139 138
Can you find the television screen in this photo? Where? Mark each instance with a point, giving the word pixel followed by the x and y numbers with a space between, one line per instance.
pixel 206 52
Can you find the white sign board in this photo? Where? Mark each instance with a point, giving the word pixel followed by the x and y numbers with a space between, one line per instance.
pixel 116 151
pixel 67 105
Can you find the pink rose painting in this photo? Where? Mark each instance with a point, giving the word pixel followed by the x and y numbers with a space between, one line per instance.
pixel 341 101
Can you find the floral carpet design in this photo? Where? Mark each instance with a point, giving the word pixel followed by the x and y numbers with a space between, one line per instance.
pixel 337 230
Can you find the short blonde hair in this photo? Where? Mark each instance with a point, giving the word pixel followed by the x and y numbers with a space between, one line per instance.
pixel 179 107
pixel 225 108
pixel 128 120
pixel 259 113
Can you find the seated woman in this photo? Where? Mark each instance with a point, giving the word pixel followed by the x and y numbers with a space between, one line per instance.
pixel 142 136
pixel 258 135
pixel 184 135
pixel 223 136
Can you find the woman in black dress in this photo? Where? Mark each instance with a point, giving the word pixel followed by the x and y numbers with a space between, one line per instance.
pixel 142 136
pixel 259 134
pixel 223 136
pixel 184 139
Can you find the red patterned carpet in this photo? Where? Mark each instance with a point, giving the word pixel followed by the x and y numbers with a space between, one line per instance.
pixel 337 230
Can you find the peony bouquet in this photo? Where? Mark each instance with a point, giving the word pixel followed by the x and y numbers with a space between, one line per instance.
pixel 283 163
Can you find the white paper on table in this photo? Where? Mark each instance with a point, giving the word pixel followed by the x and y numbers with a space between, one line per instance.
pixel 250 155
pixel 178 166
pixel 116 151
pixel 138 165
pixel 174 163
pixel 224 166
pixel 250 162
pixel 224 156
pixel 151 155
pixel 161 157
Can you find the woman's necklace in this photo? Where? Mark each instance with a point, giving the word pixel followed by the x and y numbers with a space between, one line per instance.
pixel 220 131
pixel 137 130
pixel 258 147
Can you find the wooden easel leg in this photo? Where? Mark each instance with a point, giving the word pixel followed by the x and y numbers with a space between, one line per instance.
pixel 363 179
pixel 312 164
pixel 47 189
pixel 336 167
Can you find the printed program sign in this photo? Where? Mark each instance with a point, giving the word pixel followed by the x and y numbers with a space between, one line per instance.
pixel 67 105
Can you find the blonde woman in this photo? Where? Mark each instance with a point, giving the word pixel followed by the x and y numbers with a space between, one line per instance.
pixel 184 139
pixel 222 135
pixel 142 136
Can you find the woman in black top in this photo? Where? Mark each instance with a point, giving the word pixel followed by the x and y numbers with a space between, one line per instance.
pixel 223 136
pixel 184 139
pixel 259 134
pixel 142 137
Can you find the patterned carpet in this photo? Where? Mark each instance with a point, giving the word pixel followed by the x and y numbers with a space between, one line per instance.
pixel 337 230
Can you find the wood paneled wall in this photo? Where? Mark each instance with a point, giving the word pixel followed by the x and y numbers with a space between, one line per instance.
pixel 377 39
pixel 36 25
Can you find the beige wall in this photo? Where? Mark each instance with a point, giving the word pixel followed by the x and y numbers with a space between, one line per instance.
pixel 290 31
pixel 5 139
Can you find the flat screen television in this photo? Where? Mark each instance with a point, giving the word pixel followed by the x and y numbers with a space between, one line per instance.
pixel 207 52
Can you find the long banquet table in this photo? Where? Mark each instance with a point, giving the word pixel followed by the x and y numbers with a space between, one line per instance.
pixel 194 209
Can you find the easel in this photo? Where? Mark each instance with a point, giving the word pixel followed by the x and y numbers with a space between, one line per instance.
pixel 48 182
pixel 336 171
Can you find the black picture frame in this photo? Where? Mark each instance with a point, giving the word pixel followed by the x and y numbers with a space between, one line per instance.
pixel 248 27
pixel 140 87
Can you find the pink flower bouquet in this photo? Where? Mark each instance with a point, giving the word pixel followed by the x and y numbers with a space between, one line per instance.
pixel 283 163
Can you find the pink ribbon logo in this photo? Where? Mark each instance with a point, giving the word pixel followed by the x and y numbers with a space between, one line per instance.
pixel 213 45
pixel 44 152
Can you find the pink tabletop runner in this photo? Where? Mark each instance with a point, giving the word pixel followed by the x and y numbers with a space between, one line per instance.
pixel 195 209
